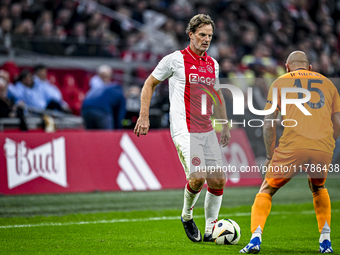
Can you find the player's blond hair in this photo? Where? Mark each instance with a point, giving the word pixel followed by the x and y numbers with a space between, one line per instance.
pixel 198 21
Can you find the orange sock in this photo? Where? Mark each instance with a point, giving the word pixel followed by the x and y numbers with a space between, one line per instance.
pixel 260 211
pixel 322 207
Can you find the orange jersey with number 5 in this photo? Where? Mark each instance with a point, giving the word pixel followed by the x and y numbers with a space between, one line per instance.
pixel 313 131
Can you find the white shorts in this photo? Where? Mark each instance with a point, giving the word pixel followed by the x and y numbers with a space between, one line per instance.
pixel 198 151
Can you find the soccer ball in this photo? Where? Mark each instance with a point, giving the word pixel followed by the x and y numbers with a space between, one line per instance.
pixel 226 232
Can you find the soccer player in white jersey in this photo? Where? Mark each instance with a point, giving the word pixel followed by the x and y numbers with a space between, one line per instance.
pixel 193 92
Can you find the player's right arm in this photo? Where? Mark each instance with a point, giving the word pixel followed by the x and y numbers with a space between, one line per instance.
pixel 163 70
pixel 269 127
pixel 269 134
pixel 143 122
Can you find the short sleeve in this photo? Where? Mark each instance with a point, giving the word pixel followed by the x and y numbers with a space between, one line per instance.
pixel 164 68
pixel 336 102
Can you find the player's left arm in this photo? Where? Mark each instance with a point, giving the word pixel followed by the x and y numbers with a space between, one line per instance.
pixel 336 114
pixel 221 112
pixel 269 134
pixel 336 125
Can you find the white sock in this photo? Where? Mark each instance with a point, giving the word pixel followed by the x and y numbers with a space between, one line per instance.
pixel 325 233
pixel 257 233
pixel 189 203
pixel 212 205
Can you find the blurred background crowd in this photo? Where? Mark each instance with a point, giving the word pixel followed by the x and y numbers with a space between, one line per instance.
pixel 251 43
pixel 247 32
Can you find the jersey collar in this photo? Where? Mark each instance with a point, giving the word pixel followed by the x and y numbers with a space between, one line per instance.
pixel 195 56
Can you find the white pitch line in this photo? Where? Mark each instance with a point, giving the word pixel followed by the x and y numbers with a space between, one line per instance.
pixel 48 224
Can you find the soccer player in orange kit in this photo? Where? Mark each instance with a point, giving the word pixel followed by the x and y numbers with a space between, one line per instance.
pixel 307 144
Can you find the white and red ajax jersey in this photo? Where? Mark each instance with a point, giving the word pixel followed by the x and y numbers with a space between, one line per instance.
pixel 190 76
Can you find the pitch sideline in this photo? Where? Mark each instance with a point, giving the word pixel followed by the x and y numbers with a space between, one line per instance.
pixel 47 224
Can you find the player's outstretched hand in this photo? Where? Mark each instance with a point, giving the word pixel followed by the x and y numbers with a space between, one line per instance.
pixel 225 136
pixel 142 126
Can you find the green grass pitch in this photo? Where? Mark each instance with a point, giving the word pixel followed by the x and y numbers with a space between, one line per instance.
pixel 149 222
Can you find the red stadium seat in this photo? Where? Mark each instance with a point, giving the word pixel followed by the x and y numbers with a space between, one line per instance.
pixel 76 98
pixel 53 79
pixel 142 73
pixel 13 70
pixel 72 94
pixel 69 81
pixel 85 82
pixel 118 75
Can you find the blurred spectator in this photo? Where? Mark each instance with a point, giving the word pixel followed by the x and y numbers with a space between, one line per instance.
pixel 133 99
pixel 45 17
pixel 103 76
pixel 95 21
pixel 7 107
pixel 46 30
pixel 5 75
pixel 23 35
pixel 33 95
pixel 15 12
pixel 5 27
pixel 63 18
pixel 139 11
pixel 56 100
pixel 104 107
pixel 12 69
pixel 4 12
pixel 78 46
pixel 132 106
pixel 5 103
pixel 227 69
pixel 170 41
pixel 60 33
pixel 248 40
pixel 180 33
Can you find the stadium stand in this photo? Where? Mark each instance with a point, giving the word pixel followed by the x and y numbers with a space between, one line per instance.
pixel 146 30
pixel 252 39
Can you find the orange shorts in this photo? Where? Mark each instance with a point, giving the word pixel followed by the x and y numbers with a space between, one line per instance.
pixel 286 164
